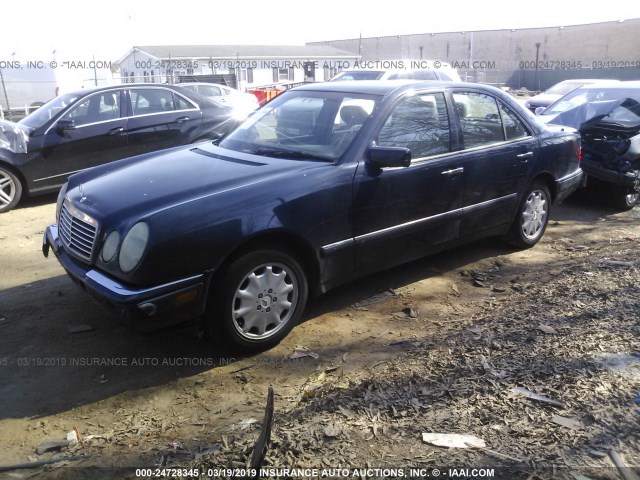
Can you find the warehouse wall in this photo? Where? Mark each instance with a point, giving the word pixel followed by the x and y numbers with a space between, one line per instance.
pixel 509 56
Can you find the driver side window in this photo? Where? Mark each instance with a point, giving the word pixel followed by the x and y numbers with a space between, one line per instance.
pixel 420 123
pixel 97 108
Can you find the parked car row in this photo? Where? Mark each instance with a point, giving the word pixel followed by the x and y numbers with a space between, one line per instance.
pixel 324 184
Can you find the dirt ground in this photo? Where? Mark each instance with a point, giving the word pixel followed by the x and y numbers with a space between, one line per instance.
pixel 438 346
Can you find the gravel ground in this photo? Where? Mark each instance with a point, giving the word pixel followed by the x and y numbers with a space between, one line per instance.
pixel 534 353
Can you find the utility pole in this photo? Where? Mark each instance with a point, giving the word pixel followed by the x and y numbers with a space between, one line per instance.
pixel 4 89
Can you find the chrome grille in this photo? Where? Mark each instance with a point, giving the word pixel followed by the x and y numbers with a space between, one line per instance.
pixel 77 231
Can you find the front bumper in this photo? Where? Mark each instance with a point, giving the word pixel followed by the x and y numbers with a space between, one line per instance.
pixel 566 185
pixel 142 308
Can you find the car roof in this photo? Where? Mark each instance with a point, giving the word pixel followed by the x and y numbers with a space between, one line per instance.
pixel 84 91
pixel 588 81
pixel 186 84
pixel 383 87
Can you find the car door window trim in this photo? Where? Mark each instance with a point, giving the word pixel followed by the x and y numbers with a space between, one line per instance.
pixel 78 127
pixel 493 145
pixel 163 113
pixel 187 99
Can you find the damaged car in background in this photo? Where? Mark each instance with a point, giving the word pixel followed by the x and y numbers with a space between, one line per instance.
pixel 559 90
pixel 608 119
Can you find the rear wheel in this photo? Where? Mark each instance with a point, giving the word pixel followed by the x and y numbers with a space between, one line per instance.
pixel 624 198
pixel 257 300
pixel 10 190
pixel 532 216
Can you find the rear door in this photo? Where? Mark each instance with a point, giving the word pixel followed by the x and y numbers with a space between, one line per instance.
pixel 499 151
pixel 401 213
pixel 160 118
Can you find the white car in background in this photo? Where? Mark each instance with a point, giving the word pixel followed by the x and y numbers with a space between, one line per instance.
pixel 444 72
pixel 243 103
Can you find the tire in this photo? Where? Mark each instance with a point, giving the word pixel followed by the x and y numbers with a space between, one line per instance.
pixel 257 300
pixel 10 190
pixel 532 216
pixel 624 198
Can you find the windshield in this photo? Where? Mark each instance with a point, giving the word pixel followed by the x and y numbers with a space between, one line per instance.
pixel 303 125
pixel 563 88
pixel 48 110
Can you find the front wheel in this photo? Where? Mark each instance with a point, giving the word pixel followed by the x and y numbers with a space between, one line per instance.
pixel 257 300
pixel 532 216
pixel 10 190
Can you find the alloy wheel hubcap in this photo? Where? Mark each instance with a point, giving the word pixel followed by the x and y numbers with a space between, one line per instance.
pixel 534 215
pixel 7 189
pixel 264 301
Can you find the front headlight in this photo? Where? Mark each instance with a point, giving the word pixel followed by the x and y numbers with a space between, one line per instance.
pixel 133 246
pixel 110 246
pixel 63 192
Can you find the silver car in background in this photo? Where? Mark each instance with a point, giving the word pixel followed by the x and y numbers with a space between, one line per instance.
pixel 243 103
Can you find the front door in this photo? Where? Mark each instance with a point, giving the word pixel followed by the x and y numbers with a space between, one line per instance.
pixel 91 133
pixel 401 213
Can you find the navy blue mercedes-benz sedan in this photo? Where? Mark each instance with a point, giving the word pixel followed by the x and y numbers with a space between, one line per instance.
pixel 325 183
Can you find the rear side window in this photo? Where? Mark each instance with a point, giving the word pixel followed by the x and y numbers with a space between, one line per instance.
pixel 479 119
pixel 156 100
pixel 419 123
pixel 180 103
pixel 513 126
pixel 209 90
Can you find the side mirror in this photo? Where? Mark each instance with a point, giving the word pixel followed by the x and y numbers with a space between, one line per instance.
pixel 65 125
pixel 539 110
pixel 382 157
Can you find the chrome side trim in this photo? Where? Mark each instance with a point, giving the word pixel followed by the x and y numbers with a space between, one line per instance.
pixel 389 230
pixel 489 203
pixel 336 246
pixel 569 177
pixel 56 176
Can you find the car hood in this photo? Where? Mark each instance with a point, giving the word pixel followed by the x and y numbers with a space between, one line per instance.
pixel 586 115
pixel 13 137
pixel 160 181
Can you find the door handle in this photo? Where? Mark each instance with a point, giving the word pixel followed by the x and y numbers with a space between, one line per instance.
pixel 116 131
pixel 525 156
pixel 182 119
pixel 451 173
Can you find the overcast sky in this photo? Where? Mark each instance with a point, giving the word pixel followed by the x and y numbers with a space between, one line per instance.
pixel 77 29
